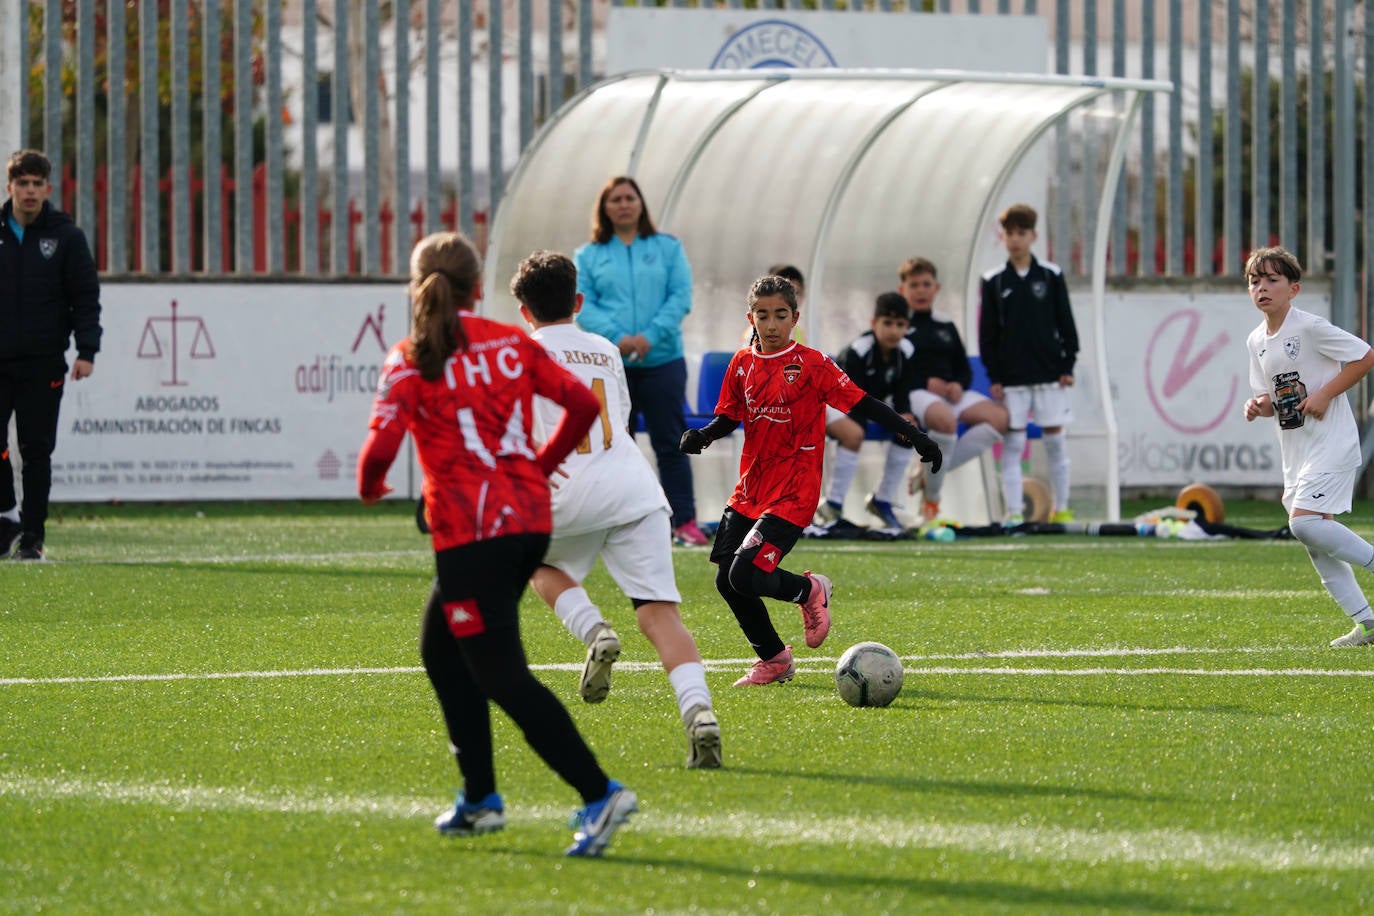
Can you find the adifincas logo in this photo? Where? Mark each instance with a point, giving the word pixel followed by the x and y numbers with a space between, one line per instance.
pixel 354 373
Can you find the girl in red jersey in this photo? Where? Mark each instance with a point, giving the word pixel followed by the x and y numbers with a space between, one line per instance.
pixel 779 389
pixel 463 387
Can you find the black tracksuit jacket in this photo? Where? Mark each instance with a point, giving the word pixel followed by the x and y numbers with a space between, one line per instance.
pixel 49 288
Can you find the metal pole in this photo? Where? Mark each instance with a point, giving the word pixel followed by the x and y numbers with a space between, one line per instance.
pixel 1205 219
pixel 181 142
pixel 1259 132
pixel 85 119
pixel 1343 173
pixel 13 35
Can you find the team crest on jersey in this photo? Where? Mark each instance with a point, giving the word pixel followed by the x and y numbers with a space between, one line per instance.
pixel 1291 346
pixel 791 372
pixel 1038 289
pixel 47 248
pixel 752 539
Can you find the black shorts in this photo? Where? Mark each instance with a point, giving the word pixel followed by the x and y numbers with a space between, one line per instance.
pixel 481 583
pixel 745 536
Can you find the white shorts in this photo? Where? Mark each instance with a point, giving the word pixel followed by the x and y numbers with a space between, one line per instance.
pixel 1331 493
pixel 921 399
pixel 831 414
pixel 1047 404
pixel 637 554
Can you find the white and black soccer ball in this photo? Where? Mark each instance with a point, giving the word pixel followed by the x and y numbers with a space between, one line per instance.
pixel 868 674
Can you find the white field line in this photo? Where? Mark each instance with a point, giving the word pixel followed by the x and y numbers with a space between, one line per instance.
pixel 1160 848
pixel 814 664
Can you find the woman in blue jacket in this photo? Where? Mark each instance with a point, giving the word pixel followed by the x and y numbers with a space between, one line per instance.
pixel 636 286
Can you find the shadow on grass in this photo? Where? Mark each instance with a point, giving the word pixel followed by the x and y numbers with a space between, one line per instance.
pixel 915 700
pixel 999 892
pixel 1004 790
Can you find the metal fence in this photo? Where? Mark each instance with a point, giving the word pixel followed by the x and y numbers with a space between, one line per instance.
pixel 306 112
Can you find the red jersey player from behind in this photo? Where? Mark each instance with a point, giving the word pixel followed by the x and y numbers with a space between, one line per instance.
pixel 463 387
pixel 779 389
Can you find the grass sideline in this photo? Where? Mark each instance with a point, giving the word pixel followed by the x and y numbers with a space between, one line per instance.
pixel 219 708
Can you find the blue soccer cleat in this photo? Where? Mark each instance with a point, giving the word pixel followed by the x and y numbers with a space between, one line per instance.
pixel 597 821
pixel 487 816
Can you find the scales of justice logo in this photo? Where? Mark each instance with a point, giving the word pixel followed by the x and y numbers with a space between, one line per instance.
pixel 165 337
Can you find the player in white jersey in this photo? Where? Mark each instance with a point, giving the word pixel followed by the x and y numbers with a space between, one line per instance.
pixel 607 502
pixel 1301 366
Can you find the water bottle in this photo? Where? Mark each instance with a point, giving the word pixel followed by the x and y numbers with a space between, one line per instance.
pixel 941 533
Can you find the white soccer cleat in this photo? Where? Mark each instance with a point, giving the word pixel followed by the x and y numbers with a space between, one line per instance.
pixel 1360 636
pixel 703 739
pixel 602 651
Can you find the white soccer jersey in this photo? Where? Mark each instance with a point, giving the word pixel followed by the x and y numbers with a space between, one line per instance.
pixel 609 482
pixel 1305 354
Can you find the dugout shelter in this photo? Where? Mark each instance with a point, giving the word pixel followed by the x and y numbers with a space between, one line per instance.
pixel 844 173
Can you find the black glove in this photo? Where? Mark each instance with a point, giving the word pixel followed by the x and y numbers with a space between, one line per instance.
pixel 693 441
pixel 925 447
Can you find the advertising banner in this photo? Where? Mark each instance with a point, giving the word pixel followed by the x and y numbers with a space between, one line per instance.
pixel 1180 377
pixel 228 391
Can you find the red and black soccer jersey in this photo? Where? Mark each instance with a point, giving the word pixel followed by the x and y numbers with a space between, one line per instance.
pixel 780 399
pixel 472 430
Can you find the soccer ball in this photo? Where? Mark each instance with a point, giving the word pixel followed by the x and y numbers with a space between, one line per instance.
pixel 869 674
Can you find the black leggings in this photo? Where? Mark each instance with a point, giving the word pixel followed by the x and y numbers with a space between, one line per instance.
pixel 743 579
pixel 470 646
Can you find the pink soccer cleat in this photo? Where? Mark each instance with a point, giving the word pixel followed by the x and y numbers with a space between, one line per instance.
pixel 775 670
pixel 816 609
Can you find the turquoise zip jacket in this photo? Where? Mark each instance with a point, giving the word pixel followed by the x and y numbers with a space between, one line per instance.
pixel 642 288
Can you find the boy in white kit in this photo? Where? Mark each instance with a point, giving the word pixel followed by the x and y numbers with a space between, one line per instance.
pixel 1301 366
pixel 609 504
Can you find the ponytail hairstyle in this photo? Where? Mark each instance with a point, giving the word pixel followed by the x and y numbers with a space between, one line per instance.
pixel 764 287
pixel 444 276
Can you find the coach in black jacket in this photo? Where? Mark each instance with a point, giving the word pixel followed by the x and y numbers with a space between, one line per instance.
pixel 49 291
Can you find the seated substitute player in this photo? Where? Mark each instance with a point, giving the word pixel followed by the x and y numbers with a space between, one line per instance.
pixel 880 362
pixel 1301 366
pixel 941 398
pixel 463 386
pixel 778 389
pixel 609 504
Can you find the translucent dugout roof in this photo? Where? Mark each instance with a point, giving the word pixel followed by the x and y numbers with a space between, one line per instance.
pixel 844 173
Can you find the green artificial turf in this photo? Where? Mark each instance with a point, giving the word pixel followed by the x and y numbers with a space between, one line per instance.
pixel 219 708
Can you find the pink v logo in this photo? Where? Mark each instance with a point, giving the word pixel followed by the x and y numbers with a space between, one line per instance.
pixel 1183 367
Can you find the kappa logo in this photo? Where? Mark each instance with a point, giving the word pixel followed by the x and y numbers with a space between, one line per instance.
pixel 464 618
pixel 768 558
pixel 1292 346
pixel 792 372
pixel 47 248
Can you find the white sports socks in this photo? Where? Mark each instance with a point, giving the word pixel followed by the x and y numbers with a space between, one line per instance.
pixel 574 607
pixel 1328 536
pixel 1013 444
pixel 1339 581
pixel 1057 451
pixel 842 474
pixel 934 482
pixel 974 441
pixel 895 462
pixel 689 683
